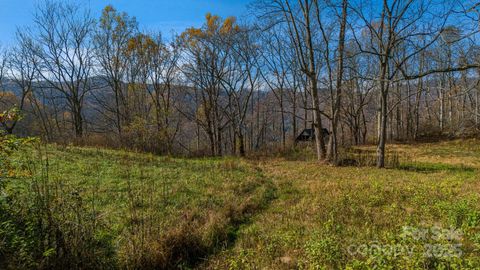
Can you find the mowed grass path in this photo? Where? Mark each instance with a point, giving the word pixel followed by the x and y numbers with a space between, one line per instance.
pixel 423 215
pixel 156 212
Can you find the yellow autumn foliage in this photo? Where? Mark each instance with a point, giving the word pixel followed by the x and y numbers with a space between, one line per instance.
pixel 214 25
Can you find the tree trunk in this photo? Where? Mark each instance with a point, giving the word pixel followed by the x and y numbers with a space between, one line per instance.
pixel 317 122
pixel 242 143
pixel 333 144
pixel 383 131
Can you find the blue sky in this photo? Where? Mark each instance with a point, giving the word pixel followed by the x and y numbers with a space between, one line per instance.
pixel 164 15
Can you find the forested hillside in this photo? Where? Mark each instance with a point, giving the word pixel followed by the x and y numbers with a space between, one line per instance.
pixel 399 71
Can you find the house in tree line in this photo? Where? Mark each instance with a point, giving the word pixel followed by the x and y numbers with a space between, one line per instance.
pixel 308 134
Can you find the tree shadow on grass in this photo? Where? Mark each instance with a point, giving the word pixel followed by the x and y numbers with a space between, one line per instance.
pixel 435 167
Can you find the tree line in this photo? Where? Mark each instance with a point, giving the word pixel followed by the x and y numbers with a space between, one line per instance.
pixel 368 71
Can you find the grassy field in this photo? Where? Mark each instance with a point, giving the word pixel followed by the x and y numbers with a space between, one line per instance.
pixel 116 209
pixel 132 210
pixel 365 218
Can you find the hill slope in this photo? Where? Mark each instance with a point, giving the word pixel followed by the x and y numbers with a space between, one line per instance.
pixel 115 209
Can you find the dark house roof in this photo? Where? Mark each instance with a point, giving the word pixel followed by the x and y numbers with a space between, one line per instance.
pixel 308 134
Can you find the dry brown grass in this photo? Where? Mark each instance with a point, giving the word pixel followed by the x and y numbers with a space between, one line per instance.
pixel 322 209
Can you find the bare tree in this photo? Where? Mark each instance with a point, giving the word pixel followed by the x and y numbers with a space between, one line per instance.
pixel 299 17
pixel 163 74
pixel 63 42
pixel 205 70
pixel 241 80
pixel 3 63
pixel 396 25
pixel 22 70
pixel 275 70
pixel 332 153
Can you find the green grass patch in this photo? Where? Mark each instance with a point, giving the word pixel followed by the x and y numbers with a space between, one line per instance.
pixel 137 210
